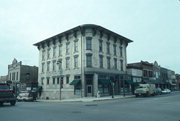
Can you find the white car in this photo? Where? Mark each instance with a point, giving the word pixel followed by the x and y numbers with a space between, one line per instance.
pixel 166 91
pixel 25 96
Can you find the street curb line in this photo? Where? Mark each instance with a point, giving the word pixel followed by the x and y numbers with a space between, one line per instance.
pixel 86 101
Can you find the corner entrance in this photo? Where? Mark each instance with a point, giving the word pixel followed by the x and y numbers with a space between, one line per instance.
pixel 89 85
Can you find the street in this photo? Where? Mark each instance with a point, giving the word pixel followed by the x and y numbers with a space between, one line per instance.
pixel 157 108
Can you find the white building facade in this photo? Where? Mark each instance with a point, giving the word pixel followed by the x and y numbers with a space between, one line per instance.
pixel 82 61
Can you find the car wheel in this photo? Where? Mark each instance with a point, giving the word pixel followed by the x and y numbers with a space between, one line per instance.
pixel 13 103
pixel 1 103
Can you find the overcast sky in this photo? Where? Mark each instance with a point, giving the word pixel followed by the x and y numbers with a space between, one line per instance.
pixel 153 25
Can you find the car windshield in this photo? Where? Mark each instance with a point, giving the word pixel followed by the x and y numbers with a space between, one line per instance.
pixel 4 87
pixel 24 94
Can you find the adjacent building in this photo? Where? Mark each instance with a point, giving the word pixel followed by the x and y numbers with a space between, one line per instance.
pixel 82 61
pixel 153 73
pixel 3 79
pixel 22 76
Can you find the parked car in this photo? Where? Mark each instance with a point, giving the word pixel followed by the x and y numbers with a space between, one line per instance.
pixel 7 94
pixel 158 91
pixel 26 96
pixel 166 91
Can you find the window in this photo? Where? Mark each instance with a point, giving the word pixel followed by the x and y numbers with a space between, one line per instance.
pixel 108 63
pixel 48 53
pixel 48 81
pixel 108 47
pixel 76 46
pixel 100 45
pixel 121 51
pixel 42 68
pixel 48 66
pixel 43 55
pixel 89 43
pixel 75 61
pixel 60 50
pixel 67 47
pixel 59 62
pixel 42 81
pixel 67 62
pixel 58 80
pixel 67 79
pixel 62 82
pixel 121 61
pixel 54 65
pixel 54 51
pixel 89 60
pixel 115 63
pixel 17 76
pixel 114 46
pixel 54 80
pixel 101 61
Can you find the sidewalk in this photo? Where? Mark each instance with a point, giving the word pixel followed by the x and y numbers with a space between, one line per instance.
pixel 89 99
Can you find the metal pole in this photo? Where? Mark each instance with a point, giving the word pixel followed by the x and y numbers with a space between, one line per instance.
pixel 60 89
pixel 112 89
pixel 124 87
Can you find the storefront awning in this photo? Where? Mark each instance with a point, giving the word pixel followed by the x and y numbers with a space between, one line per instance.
pixel 75 82
pixel 104 81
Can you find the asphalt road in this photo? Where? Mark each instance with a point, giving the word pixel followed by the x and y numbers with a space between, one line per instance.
pixel 157 108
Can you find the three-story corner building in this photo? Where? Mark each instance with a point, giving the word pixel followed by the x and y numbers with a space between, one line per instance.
pixel 82 61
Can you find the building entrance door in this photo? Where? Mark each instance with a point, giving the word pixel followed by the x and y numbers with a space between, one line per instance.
pixel 89 90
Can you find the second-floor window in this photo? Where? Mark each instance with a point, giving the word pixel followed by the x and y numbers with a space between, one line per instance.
pixel 75 61
pixel 89 60
pixel 101 61
pixel 54 79
pixel 54 65
pixel 47 81
pixel 108 63
pixel 115 63
pixel 121 62
pixel 88 43
pixel 48 66
pixel 68 63
pixel 42 68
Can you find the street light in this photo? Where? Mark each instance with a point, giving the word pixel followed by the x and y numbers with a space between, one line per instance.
pixel 59 62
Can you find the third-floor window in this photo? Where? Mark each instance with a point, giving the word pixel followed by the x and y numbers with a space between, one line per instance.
pixel 67 47
pixel 114 47
pixel 54 51
pixel 108 47
pixel 100 45
pixel 88 43
pixel 76 46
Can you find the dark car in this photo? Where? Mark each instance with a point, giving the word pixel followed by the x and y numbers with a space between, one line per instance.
pixel 7 95
pixel 158 91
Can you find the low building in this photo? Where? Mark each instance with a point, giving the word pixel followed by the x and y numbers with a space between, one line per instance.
pixel 3 79
pixel 136 74
pixel 178 81
pixel 22 76
pixel 82 61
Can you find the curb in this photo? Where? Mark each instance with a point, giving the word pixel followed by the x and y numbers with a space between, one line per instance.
pixel 80 101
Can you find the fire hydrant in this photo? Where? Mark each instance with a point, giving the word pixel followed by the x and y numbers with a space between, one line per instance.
pixel 98 94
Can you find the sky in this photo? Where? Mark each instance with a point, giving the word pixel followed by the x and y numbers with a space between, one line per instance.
pixel 153 25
